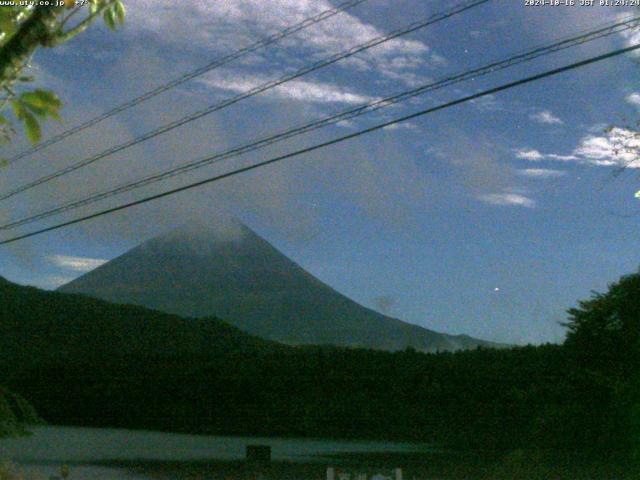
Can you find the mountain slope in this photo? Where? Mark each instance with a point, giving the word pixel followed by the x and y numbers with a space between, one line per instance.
pixel 37 326
pixel 243 279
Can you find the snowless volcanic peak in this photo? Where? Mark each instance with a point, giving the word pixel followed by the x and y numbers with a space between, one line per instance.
pixel 228 271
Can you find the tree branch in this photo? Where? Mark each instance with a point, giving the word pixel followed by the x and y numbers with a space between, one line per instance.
pixel 35 31
pixel 62 37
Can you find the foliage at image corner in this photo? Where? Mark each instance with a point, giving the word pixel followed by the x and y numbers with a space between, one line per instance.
pixel 16 415
pixel 602 411
pixel 24 29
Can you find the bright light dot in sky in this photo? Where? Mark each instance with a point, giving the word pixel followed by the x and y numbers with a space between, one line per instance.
pixel 637 195
pixel 496 289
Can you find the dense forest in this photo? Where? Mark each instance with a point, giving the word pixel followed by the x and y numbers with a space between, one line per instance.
pixel 581 396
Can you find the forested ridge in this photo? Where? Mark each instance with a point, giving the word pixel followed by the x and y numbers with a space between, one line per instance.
pixel 582 395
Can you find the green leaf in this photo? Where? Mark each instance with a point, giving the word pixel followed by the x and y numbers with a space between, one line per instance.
pixel 42 99
pixel 7 26
pixel 119 11
pixel 56 116
pixel 18 108
pixel 109 18
pixel 3 120
pixel 42 103
pixel 32 128
pixel 35 109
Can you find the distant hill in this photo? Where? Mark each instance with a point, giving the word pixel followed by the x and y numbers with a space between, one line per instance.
pixel 236 275
pixel 37 326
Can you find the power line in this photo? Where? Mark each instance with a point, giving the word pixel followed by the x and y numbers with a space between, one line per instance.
pixel 334 141
pixel 219 62
pixel 250 93
pixel 526 56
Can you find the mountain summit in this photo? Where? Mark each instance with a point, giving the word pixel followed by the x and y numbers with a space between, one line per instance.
pixel 234 274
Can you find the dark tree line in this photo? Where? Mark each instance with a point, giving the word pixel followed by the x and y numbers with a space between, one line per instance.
pixel 582 395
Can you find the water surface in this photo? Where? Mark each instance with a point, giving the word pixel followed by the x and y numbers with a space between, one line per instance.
pixel 48 447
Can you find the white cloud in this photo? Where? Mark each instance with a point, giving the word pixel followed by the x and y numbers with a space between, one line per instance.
pixel 226 26
pixel 634 99
pixel 487 103
pixel 347 124
pixel 403 125
pixel 562 158
pixel 632 36
pixel 532 155
pixel 300 90
pixel 617 147
pixel 508 199
pixel 78 264
pixel 411 79
pixel 541 173
pixel 546 117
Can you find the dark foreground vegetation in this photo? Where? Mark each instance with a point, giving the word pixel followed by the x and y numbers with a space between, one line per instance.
pixel 16 414
pixel 161 372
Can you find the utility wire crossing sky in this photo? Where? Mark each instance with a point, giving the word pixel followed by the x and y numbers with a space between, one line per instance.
pixel 469 98
pixel 609 29
pixel 489 220
pixel 248 94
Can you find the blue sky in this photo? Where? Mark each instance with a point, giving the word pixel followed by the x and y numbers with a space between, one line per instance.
pixel 490 218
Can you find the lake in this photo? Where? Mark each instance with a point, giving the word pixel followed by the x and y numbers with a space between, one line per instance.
pixel 48 447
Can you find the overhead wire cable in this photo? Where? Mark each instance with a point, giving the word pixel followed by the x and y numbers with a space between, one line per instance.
pixel 217 63
pixel 437 17
pixel 529 55
pixel 297 153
